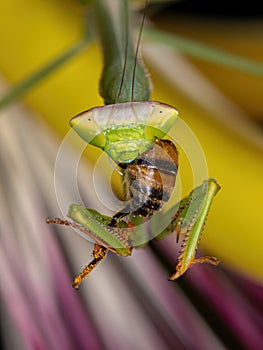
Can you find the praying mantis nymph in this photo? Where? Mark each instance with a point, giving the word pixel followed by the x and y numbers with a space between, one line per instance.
pixel 130 129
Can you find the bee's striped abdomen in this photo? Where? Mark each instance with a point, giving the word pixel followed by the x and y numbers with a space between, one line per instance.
pixel 150 179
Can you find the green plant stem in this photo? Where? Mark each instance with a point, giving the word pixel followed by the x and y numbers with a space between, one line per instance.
pixel 25 85
pixel 205 52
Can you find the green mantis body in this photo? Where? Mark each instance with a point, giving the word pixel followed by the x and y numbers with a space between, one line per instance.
pixel 130 129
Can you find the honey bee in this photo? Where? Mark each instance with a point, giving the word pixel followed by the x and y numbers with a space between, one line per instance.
pixel 149 180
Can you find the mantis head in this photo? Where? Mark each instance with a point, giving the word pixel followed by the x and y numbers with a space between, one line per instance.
pixel 125 130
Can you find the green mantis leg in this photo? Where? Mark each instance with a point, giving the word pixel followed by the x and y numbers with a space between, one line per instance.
pixel 96 226
pixel 99 252
pixel 190 220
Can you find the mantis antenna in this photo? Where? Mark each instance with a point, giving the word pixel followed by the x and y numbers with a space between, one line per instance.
pixel 126 51
pixel 137 48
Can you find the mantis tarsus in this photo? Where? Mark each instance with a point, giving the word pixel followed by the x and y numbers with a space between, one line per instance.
pixel 130 129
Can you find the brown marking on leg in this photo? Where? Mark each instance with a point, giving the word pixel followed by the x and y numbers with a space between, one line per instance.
pixel 99 253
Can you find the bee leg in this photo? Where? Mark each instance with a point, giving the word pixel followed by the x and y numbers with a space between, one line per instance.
pixel 99 253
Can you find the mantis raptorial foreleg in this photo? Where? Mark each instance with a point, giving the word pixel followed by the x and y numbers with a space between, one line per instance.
pixel 97 226
pixel 190 220
pixel 99 252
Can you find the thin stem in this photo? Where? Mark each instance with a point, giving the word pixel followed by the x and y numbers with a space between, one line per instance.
pixel 205 52
pixel 28 83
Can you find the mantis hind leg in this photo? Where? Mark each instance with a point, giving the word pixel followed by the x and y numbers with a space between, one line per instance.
pixel 99 253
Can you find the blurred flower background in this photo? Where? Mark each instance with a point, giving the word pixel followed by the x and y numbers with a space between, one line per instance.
pixel 127 303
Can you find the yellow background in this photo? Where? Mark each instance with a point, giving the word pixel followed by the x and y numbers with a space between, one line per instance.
pixel 33 32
